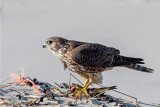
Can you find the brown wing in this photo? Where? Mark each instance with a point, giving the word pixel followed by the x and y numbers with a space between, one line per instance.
pixel 93 55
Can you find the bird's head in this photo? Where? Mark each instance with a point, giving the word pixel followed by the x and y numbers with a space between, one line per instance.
pixel 55 44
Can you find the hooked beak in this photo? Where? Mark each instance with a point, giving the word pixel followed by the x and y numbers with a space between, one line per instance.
pixel 44 46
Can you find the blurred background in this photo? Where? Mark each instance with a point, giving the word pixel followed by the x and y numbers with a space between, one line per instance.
pixel 132 26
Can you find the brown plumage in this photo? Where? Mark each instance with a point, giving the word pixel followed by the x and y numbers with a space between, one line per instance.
pixel 90 59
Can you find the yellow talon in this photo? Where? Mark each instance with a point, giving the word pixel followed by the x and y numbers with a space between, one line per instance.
pixel 84 89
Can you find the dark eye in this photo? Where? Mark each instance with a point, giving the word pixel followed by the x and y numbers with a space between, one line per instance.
pixel 49 42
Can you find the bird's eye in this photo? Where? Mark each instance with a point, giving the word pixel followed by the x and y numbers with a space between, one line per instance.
pixel 49 42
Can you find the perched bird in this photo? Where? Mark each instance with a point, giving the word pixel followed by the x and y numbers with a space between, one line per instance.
pixel 89 60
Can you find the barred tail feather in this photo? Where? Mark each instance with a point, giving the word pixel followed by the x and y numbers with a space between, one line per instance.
pixel 130 62
pixel 119 60
pixel 140 68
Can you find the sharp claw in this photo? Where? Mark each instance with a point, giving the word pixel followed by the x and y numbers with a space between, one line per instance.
pixel 84 89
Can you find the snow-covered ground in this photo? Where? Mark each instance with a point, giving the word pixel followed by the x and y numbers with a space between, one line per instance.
pixel 133 26
pixel 44 94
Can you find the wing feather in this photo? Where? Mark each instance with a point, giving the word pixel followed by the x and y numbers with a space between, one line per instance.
pixel 93 55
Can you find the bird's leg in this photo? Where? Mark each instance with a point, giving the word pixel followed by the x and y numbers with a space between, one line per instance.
pixel 80 89
pixel 84 89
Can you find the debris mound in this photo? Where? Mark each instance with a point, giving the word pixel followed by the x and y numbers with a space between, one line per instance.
pixel 27 91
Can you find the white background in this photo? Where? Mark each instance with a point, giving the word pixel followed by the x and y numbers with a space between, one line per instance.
pixel 132 26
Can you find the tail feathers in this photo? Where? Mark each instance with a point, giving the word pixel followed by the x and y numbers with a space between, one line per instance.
pixel 140 68
pixel 119 60
pixel 130 62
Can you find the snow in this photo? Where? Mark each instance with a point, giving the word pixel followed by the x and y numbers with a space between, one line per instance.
pixel 51 95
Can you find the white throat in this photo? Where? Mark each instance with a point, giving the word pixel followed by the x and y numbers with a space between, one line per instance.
pixel 58 54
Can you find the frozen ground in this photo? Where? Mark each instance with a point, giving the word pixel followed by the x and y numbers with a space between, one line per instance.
pixel 132 26
pixel 33 92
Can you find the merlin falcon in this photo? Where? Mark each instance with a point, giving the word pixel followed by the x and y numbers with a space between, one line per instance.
pixel 89 60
